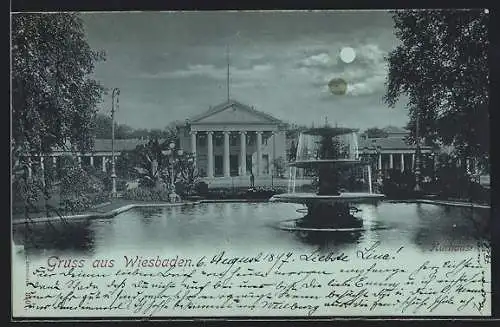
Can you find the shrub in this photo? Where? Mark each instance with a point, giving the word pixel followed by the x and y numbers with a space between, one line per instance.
pixel 103 177
pixel 121 185
pixel 98 198
pixel 479 193
pixel 146 194
pixel 260 193
pixel 139 194
pixel 79 190
pixel 181 189
pixel 264 192
pixel 453 182
pixel 399 185
pixel 201 189
pixel 27 192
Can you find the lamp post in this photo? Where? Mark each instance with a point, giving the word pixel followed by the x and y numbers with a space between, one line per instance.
pixel 378 152
pixel 115 93
pixel 434 165
pixel 417 153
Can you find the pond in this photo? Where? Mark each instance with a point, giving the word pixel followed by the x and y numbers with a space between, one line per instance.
pixel 244 226
pixel 425 231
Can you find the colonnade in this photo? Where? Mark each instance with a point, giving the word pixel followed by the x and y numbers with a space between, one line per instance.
pixel 105 158
pixel 226 153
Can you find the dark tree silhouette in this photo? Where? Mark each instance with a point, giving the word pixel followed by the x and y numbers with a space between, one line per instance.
pixel 375 132
pixel 53 98
pixel 441 65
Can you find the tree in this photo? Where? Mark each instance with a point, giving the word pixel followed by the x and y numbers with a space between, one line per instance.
pixel 53 98
pixel 154 162
pixel 102 128
pixel 123 131
pixel 140 133
pixel 187 178
pixel 441 66
pixel 147 162
pixel 54 101
pixel 375 132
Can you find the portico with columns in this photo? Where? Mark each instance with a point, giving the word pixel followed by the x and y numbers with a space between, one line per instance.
pixel 233 140
pixel 390 153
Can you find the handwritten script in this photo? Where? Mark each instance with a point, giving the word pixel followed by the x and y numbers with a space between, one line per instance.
pixel 366 282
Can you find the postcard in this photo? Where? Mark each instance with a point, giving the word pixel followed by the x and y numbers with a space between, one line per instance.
pixel 250 164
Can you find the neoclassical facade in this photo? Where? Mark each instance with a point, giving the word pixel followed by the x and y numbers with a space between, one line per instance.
pixel 233 139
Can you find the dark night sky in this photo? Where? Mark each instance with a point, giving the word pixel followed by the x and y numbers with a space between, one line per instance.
pixel 172 65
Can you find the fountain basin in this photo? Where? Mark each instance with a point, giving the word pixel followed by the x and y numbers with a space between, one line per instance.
pixel 307 198
pixel 291 225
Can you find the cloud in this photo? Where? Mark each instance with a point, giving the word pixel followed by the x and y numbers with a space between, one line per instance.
pixel 365 76
pixel 370 85
pixel 255 72
pixel 191 71
pixel 370 53
pixel 320 60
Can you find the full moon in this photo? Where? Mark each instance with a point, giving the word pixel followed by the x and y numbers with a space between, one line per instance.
pixel 338 86
pixel 347 55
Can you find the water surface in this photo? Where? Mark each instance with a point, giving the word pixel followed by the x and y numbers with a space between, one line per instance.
pixel 248 227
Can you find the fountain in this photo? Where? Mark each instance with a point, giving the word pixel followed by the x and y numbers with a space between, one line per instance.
pixel 328 152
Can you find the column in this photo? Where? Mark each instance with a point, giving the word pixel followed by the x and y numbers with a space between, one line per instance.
pixel 227 171
pixel 379 164
pixel 259 153
pixel 30 169
pixel 210 155
pixel 103 163
pixel 80 161
pixel 193 146
pixel 413 161
pixel 42 167
pixel 369 178
pixel 92 161
pixel 243 154
pixel 55 172
pixel 391 162
pixel 402 162
pixel 272 154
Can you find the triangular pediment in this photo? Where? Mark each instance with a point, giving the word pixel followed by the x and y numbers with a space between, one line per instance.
pixel 233 112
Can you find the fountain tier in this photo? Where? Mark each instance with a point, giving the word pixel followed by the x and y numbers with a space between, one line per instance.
pixel 308 198
pixel 327 151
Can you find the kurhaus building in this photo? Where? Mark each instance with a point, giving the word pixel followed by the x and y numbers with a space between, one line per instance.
pixel 392 151
pixel 234 139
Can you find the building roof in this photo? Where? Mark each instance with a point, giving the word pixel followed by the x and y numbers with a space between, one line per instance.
pixel 386 143
pixel 234 104
pixel 395 130
pixel 104 145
